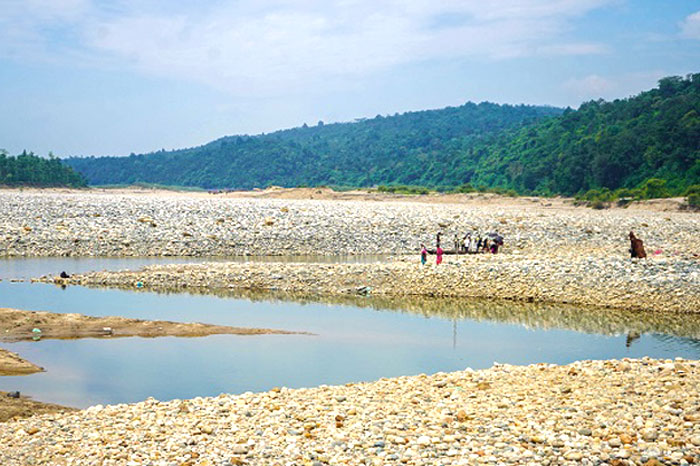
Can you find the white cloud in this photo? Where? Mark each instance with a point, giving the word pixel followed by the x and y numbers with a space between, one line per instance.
pixel 690 27
pixel 594 86
pixel 253 48
pixel 591 86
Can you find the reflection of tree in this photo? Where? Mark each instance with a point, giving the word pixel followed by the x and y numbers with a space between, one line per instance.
pixel 530 315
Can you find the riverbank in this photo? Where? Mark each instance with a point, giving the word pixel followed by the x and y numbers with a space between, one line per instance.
pixel 12 364
pixel 19 325
pixel 617 412
pixel 23 407
pixel 126 223
pixel 657 285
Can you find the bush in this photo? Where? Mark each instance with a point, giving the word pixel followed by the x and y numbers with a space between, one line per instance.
pixel 464 188
pixel 598 204
pixel 403 189
pixel 693 200
pixel 692 189
pixel 654 188
pixel 626 192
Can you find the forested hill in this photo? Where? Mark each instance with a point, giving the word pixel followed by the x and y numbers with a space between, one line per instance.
pixel 418 148
pixel 542 150
pixel 618 144
pixel 28 169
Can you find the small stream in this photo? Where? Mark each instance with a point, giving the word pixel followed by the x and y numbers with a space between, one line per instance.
pixel 355 339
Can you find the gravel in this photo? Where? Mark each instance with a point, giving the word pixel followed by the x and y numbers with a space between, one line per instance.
pixel 40 223
pixel 590 412
pixel 614 282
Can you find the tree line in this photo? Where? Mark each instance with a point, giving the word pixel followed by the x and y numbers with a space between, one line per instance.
pixel 27 169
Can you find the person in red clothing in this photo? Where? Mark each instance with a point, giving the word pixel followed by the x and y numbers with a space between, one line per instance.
pixel 438 253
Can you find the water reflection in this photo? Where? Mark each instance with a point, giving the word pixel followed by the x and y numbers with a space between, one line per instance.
pixel 535 316
pixel 357 339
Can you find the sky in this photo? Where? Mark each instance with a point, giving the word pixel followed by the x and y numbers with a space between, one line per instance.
pixel 99 77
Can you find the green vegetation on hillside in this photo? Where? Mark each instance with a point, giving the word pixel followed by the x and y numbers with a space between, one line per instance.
pixel 640 147
pixel 28 169
pixel 603 145
pixel 415 148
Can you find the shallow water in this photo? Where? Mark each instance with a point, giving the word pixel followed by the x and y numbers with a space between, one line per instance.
pixel 356 339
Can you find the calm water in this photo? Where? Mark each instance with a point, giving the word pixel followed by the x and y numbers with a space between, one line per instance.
pixel 356 339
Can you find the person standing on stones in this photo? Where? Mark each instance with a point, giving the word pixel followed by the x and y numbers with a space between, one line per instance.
pixel 423 254
pixel 636 247
pixel 438 253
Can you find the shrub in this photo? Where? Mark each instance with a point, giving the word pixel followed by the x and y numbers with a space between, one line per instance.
pixel 464 188
pixel 693 200
pixel 654 188
pixel 692 189
pixel 598 204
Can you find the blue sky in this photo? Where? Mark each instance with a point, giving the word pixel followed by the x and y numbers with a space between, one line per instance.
pixel 96 77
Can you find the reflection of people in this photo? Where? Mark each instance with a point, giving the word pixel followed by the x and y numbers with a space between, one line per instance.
pixel 438 252
pixel 631 336
pixel 423 254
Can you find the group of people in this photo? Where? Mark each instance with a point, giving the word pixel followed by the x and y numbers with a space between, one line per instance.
pixel 469 244
pixel 474 244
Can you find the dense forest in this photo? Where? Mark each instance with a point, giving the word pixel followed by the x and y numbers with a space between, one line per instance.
pixel 542 150
pixel 28 169
pixel 608 145
pixel 411 148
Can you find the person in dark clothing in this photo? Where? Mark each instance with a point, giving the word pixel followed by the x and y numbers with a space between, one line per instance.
pixel 636 247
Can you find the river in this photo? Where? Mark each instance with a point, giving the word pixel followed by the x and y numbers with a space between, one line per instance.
pixel 354 339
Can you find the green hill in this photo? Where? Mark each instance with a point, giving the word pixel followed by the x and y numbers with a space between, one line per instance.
pixel 411 148
pixel 618 144
pixel 28 169
pixel 544 150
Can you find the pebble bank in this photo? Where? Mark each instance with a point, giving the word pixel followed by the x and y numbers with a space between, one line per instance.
pixel 661 285
pixel 37 223
pixel 628 412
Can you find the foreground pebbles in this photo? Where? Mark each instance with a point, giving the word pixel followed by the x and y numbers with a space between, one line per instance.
pixel 591 412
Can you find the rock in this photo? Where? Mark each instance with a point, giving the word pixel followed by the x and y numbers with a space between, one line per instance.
pixel 240 449
pixel 573 455
pixel 650 435
pixel 626 439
